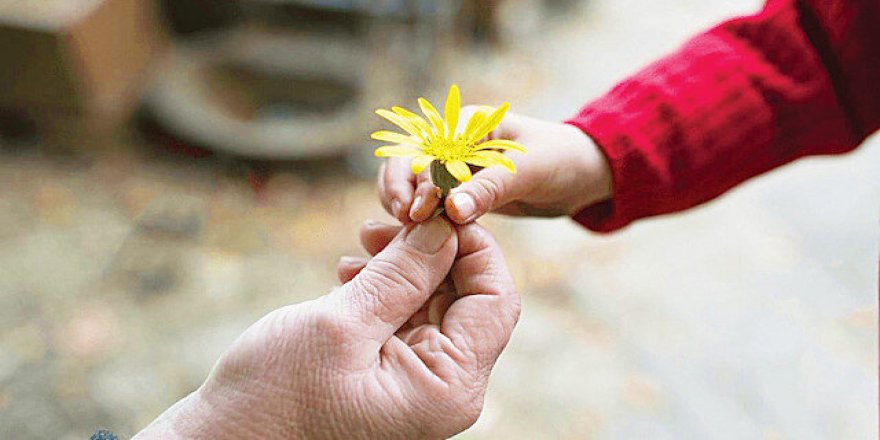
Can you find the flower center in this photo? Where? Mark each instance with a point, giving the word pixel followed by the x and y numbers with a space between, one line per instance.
pixel 446 150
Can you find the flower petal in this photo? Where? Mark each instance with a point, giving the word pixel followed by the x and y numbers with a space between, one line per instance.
pixel 399 121
pixel 433 115
pixel 501 144
pixel 397 151
pixel 395 138
pixel 487 159
pixel 419 163
pixel 459 170
pixel 417 121
pixel 492 122
pixel 474 122
pixel 453 106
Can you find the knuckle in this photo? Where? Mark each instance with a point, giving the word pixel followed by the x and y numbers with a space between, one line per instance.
pixel 390 180
pixel 399 274
pixel 387 276
pixel 276 325
pixel 488 191
pixel 393 189
pixel 370 294
pixel 401 191
pixel 330 326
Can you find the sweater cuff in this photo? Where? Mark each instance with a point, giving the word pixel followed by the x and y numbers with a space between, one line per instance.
pixel 615 125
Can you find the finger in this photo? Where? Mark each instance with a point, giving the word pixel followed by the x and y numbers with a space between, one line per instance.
pixel 348 267
pixel 426 198
pixel 400 278
pixel 490 188
pixel 396 186
pixel 380 186
pixel 438 305
pixel 375 235
pixel 481 321
pixel 433 310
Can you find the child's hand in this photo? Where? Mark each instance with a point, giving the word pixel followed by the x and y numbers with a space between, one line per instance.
pixel 563 172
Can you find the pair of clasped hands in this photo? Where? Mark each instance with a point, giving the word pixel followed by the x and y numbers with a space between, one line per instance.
pixel 404 347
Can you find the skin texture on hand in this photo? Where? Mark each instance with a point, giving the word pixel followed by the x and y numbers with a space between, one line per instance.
pixel 563 172
pixel 402 350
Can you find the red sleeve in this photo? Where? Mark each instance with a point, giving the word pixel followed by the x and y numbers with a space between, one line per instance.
pixel 799 78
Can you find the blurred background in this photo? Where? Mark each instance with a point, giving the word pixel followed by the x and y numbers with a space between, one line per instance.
pixel 172 170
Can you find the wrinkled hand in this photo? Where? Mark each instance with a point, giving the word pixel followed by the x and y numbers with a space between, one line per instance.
pixel 563 172
pixel 372 359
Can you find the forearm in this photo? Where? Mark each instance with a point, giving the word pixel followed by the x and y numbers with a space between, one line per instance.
pixel 748 96
pixel 220 414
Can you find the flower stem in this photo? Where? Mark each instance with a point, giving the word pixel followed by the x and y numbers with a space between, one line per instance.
pixel 443 181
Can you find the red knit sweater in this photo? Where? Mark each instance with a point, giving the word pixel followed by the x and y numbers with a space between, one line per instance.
pixel 802 77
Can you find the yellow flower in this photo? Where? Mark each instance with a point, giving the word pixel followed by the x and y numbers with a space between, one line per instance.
pixel 439 140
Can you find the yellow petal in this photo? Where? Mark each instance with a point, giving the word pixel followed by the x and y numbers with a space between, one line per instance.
pixel 419 163
pixel 459 170
pixel 501 144
pixel 473 124
pixel 453 106
pixel 417 121
pixel 487 159
pixel 397 151
pixel 492 122
pixel 395 138
pixel 433 115
pixel 399 121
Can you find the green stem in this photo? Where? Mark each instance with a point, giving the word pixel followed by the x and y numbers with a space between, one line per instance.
pixel 443 180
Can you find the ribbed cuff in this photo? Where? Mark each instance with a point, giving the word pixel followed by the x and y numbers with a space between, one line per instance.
pixel 622 133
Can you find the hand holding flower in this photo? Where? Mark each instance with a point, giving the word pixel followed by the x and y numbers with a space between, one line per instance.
pixel 439 144
pixel 563 173
pixel 367 360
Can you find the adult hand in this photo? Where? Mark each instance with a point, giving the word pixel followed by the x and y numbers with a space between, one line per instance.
pixel 563 172
pixel 363 361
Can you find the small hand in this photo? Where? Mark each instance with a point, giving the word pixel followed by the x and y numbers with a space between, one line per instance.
pixel 563 172
pixel 365 361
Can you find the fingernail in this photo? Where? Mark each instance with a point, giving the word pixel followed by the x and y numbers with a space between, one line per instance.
pixel 395 207
pixel 417 204
pixel 429 237
pixel 465 205
pixel 350 261
pixel 370 223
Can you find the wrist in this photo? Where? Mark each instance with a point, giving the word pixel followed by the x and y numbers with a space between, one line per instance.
pixel 180 421
pixel 595 178
pixel 200 416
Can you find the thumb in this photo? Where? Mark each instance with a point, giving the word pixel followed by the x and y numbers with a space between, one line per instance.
pixel 397 281
pixel 489 189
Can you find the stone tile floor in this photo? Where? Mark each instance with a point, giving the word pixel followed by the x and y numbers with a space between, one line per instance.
pixel 124 276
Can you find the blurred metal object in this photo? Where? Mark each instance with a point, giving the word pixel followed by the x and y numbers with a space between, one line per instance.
pixel 260 94
pixel 294 79
pixel 75 68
